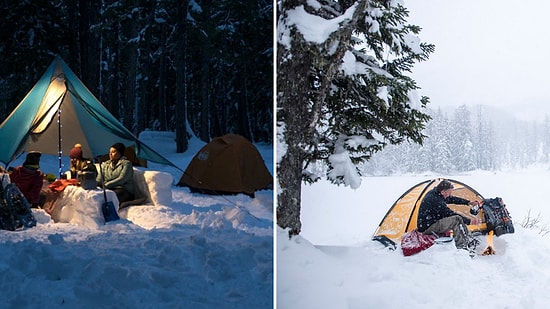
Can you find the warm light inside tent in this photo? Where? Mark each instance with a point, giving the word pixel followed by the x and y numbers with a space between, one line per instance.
pixel 49 105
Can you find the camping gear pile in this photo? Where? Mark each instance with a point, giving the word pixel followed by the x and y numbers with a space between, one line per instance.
pixel 87 180
pixel 399 225
pixel 497 216
pixel 15 211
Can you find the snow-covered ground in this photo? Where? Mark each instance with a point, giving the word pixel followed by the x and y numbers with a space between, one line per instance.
pixel 199 251
pixel 335 264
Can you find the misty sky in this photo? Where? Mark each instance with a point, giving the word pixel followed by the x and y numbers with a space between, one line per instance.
pixel 487 52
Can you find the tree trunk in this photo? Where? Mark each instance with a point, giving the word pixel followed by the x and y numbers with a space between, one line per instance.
pixel 143 111
pixel 162 81
pixel 84 31
pixel 131 85
pixel 289 175
pixel 243 114
pixel 304 77
pixel 74 22
pixel 292 84
pixel 181 83
pixel 128 110
pixel 89 45
pixel 205 86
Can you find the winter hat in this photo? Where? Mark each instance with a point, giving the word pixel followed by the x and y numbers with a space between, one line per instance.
pixel 76 152
pixel 120 148
pixel 444 185
pixel 33 159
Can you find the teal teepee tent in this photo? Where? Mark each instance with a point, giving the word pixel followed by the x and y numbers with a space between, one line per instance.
pixel 58 112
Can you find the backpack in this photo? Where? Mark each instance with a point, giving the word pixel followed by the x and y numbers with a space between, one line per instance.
pixel 497 216
pixel 15 211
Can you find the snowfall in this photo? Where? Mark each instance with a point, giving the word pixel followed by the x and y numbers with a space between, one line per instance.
pixel 186 250
pixel 334 263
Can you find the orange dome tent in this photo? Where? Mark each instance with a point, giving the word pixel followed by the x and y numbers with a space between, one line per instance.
pixel 401 218
pixel 229 164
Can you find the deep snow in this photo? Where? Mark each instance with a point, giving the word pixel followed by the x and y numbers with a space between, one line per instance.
pixel 335 264
pixel 198 251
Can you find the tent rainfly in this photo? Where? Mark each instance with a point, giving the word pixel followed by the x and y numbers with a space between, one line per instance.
pixel 401 217
pixel 58 112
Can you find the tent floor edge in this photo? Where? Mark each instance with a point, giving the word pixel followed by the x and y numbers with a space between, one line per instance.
pixel 388 243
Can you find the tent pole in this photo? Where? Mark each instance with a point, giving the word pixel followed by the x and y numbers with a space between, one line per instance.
pixel 59 151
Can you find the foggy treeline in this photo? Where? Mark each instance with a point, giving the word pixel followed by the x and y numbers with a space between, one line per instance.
pixel 153 64
pixel 466 139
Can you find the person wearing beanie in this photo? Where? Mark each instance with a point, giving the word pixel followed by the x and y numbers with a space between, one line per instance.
pixel 76 152
pixel 434 216
pixel 79 163
pixel 29 178
pixel 118 174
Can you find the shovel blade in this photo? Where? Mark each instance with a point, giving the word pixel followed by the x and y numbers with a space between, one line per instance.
pixel 109 211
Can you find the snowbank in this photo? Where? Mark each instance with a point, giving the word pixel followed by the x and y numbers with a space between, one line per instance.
pixel 335 264
pixel 183 250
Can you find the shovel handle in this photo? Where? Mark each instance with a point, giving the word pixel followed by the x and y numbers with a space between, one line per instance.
pixel 102 180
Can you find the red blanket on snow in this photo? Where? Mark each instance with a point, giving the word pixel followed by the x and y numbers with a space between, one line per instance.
pixel 414 241
pixel 51 192
pixel 61 184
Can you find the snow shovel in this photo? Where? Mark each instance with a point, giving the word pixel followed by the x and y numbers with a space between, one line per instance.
pixel 108 207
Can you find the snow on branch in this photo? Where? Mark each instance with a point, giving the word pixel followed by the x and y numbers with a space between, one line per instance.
pixel 314 28
pixel 343 170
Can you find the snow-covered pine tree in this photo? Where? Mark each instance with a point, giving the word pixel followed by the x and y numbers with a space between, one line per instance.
pixel 484 142
pixel 462 146
pixel 343 92
pixel 440 155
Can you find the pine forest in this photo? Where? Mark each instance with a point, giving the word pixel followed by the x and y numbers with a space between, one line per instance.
pixel 468 138
pixel 194 67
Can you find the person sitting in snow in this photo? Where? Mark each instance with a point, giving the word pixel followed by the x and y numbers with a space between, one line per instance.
pixel 118 174
pixel 434 216
pixel 29 178
pixel 79 163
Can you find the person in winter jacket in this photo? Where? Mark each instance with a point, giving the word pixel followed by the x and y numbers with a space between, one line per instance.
pixel 29 178
pixel 434 216
pixel 79 163
pixel 118 174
